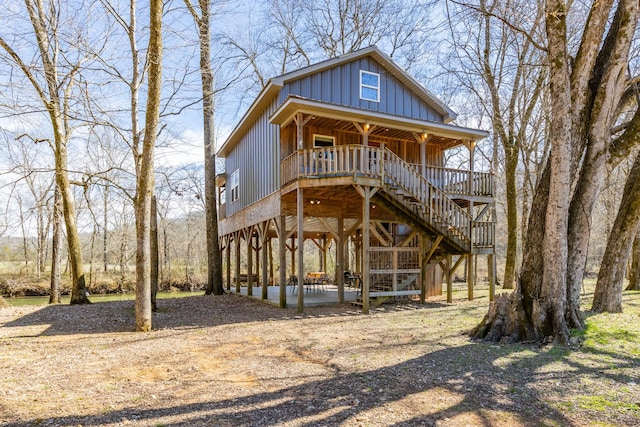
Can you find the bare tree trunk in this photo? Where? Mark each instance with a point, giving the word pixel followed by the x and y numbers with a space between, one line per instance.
pixel 608 293
pixel 56 248
pixel 214 258
pixel 145 181
pixel 511 164
pixel 634 268
pixel 25 244
pixel 78 290
pixel 105 253
pixel 154 253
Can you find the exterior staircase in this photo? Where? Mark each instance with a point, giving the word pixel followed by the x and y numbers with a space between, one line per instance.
pixel 423 205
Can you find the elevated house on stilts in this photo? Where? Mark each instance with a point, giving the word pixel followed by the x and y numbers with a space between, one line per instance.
pixel 352 149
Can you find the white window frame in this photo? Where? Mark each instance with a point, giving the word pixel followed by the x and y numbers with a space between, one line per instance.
pixel 324 137
pixel 366 86
pixel 234 182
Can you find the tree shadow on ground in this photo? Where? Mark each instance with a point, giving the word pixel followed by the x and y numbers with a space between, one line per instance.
pixel 174 313
pixel 459 384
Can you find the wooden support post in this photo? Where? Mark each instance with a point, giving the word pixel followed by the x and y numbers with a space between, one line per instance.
pixel 366 206
pixel 358 245
pixel 250 262
pixel 366 193
pixel 265 262
pixel 471 275
pixel 228 266
pixel 293 256
pixel 282 257
pixel 340 259
pixel 492 276
pixel 449 280
pixel 424 249
pixel 270 252
pixel 423 156
pixel 237 239
pixel 347 252
pixel 300 214
pixel 258 261
pixel 323 260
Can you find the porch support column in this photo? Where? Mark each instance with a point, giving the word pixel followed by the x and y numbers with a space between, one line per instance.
pixel 366 192
pixel 365 130
pixel 293 256
pixel 249 240
pixel 422 140
pixel 228 259
pixel 300 214
pixel 424 248
pixel 300 121
pixel 340 259
pixel 237 240
pixel 471 275
pixel 265 259
pixel 282 258
pixel 449 279
pixel 324 253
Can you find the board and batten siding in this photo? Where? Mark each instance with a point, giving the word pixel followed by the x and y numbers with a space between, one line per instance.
pixel 341 84
pixel 257 157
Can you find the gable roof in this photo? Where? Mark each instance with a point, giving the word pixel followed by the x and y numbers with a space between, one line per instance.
pixel 275 84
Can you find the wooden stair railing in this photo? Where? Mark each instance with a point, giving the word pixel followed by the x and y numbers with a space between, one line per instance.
pixel 404 184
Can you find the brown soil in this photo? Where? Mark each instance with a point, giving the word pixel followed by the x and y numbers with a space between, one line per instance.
pixel 234 361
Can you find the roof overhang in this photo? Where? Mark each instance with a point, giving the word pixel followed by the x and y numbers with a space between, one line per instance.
pixel 294 105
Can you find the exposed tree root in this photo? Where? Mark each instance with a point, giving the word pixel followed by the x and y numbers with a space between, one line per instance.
pixel 506 321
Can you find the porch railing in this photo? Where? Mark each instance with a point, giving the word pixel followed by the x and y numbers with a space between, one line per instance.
pixel 339 160
pixel 458 181
pixel 483 234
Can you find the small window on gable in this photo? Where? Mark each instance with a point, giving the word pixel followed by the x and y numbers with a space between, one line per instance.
pixel 323 141
pixel 369 86
pixel 235 185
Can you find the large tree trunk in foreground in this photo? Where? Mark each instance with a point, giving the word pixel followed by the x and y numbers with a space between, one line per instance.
pixel 145 181
pixel 511 317
pixel 608 294
pixel 584 99
pixel 610 74
pixel 634 268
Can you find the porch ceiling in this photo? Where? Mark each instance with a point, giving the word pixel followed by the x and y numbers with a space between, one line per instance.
pixel 385 126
